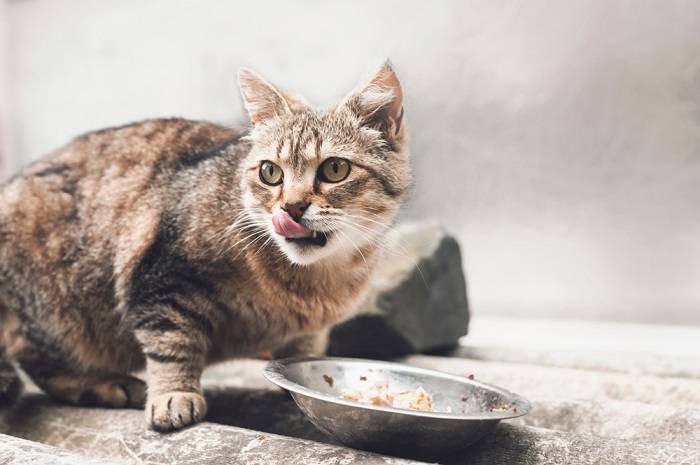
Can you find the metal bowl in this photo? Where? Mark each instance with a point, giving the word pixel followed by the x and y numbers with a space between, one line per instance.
pixel 464 410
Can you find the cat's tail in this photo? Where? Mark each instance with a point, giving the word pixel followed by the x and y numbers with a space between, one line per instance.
pixel 10 384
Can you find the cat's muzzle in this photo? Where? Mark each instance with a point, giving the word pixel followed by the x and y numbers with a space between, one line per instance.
pixel 317 238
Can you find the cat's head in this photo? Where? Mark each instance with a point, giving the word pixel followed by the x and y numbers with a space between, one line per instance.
pixel 323 183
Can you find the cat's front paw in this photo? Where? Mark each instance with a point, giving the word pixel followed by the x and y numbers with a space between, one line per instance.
pixel 175 410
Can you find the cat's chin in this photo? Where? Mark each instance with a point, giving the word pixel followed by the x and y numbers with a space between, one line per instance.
pixel 308 251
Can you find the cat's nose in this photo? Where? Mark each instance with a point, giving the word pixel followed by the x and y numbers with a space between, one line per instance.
pixel 296 209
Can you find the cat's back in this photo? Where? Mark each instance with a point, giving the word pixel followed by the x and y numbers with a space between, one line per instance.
pixel 153 145
pixel 83 192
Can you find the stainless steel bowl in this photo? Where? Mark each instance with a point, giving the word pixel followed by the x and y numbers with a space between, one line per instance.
pixel 464 410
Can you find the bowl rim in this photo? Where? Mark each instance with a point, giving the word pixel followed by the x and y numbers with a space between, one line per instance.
pixel 274 371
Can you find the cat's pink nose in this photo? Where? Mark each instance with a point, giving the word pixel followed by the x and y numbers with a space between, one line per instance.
pixel 295 209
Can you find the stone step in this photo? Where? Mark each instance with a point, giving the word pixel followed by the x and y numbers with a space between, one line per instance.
pixel 16 451
pixel 614 419
pixel 511 444
pixel 121 436
pixel 555 335
pixel 604 417
pixel 663 365
pixel 538 382
pixel 273 411
pixel 251 421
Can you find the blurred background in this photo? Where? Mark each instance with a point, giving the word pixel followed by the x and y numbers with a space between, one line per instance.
pixel 559 141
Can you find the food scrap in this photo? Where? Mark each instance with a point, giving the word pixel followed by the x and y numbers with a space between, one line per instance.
pixel 416 399
pixel 363 378
pixel 501 407
pixel 328 379
pixel 471 376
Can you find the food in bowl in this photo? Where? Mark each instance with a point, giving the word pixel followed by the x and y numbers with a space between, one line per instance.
pixel 411 399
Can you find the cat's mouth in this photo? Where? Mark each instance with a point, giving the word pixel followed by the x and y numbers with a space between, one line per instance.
pixel 297 233
pixel 317 238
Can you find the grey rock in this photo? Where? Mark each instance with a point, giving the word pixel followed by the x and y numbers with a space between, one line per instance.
pixel 418 301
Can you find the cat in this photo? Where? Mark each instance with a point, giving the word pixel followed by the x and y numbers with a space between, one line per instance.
pixel 170 244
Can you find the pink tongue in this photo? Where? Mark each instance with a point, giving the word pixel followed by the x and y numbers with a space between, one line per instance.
pixel 286 226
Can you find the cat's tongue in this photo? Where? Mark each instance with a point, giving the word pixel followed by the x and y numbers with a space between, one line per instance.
pixel 286 226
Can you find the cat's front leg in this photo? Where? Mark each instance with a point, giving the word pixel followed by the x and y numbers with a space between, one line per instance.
pixel 313 344
pixel 175 350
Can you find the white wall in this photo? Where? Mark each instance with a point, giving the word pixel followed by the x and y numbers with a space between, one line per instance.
pixel 560 141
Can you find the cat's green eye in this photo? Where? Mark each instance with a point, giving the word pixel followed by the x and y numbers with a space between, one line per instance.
pixel 270 173
pixel 334 170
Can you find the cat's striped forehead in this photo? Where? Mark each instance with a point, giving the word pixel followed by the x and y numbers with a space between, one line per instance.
pixel 299 142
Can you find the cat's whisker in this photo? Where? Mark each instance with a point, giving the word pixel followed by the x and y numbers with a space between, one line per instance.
pixel 359 250
pixel 386 246
pixel 255 239
pixel 256 227
pixel 264 244
pixel 240 229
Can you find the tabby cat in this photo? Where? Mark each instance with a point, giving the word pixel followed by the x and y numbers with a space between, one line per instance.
pixel 170 244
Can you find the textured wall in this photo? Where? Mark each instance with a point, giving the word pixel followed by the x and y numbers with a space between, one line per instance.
pixel 560 141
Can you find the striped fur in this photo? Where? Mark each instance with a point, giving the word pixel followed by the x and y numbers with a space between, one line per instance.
pixel 151 245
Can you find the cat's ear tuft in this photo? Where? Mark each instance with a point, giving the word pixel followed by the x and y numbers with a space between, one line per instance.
pixel 262 100
pixel 380 102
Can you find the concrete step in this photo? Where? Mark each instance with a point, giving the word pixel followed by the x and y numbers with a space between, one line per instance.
pixel 251 421
pixel 614 419
pixel 283 436
pixel 511 444
pixel 663 365
pixel 16 451
pixel 542 382
pixel 592 337
pixel 121 436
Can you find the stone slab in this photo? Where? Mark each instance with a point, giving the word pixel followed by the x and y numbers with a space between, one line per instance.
pixel 16 451
pixel 541 382
pixel 121 436
pixel 665 365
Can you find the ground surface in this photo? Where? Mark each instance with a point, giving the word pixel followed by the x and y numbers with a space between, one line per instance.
pixel 601 394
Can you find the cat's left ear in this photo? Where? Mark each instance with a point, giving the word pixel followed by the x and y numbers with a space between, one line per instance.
pixel 379 104
pixel 263 100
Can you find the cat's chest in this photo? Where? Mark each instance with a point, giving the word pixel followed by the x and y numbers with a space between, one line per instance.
pixel 263 317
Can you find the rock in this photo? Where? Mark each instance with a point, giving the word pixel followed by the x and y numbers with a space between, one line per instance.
pixel 418 300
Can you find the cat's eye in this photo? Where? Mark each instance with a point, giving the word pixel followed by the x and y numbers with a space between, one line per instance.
pixel 270 173
pixel 334 170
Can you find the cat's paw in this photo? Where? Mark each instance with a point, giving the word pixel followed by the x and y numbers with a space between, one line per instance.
pixel 175 410
pixel 113 392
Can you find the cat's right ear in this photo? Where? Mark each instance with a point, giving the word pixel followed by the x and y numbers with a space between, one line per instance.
pixel 262 100
pixel 379 104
